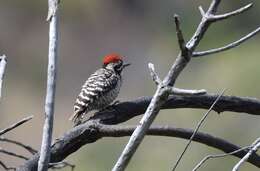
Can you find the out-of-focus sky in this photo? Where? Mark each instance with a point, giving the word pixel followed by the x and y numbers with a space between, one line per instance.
pixel 142 31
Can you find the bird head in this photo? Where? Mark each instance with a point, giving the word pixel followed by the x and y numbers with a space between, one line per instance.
pixel 114 62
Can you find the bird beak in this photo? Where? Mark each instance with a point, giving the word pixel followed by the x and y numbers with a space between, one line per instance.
pixel 125 65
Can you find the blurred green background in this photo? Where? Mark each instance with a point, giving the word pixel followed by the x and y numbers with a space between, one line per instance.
pixel 143 31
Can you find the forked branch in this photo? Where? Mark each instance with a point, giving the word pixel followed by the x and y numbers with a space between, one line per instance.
pixel 219 156
pixel 6 167
pixel 81 135
pixel 227 47
pixel 231 14
pixel 164 98
pixel 255 147
pixel 162 92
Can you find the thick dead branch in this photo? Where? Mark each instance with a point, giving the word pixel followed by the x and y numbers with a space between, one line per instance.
pixel 51 86
pixel 15 125
pixel 73 140
pixel 92 131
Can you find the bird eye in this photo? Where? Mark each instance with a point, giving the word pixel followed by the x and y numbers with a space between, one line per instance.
pixel 119 66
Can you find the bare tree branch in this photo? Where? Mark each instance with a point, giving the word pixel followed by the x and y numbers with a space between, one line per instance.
pixel 51 86
pixel 168 82
pixel 27 147
pixel 202 12
pixel 213 7
pixel 75 138
pixel 218 156
pixel 6 167
pixel 61 165
pixel 2 71
pixel 231 14
pixel 154 75
pixel 227 47
pixel 15 125
pixel 52 9
pixel 124 111
pixel 174 90
pixel 185 92
pixel 92 131
pixel 130 109
pixel 13 154
pixel 196 130
pixel 255 147
pixel 203 26
pixel 179 34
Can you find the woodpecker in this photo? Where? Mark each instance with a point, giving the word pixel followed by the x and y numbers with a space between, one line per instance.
pixel 100 89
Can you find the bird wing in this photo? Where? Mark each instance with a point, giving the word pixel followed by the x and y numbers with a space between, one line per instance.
pixel 97 84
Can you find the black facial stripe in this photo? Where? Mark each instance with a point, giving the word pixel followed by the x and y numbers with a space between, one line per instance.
pixel 119 66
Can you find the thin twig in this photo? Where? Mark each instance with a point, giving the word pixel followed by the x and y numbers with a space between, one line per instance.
pixel 227 47
pixel 255 147
pixel 51 86
pixel 27 147
pixel 202 12
pixel 218 156
pixel 13 154
pixel 61 165
pixel 179 34
pixel 233 13
pixel 185 92
pixel 6 167
pixel 15 125
pixel 196 130
pixel 2 71
pixel 154 75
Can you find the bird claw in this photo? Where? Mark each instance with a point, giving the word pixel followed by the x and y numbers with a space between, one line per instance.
pixel 115 103
pixel 111 107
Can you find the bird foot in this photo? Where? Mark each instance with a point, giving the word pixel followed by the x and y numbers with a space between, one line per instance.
pixel 111 107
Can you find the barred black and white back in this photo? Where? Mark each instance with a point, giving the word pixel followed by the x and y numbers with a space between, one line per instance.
pixel 100 89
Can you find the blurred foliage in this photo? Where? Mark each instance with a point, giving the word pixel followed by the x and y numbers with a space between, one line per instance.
pixel 143 31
